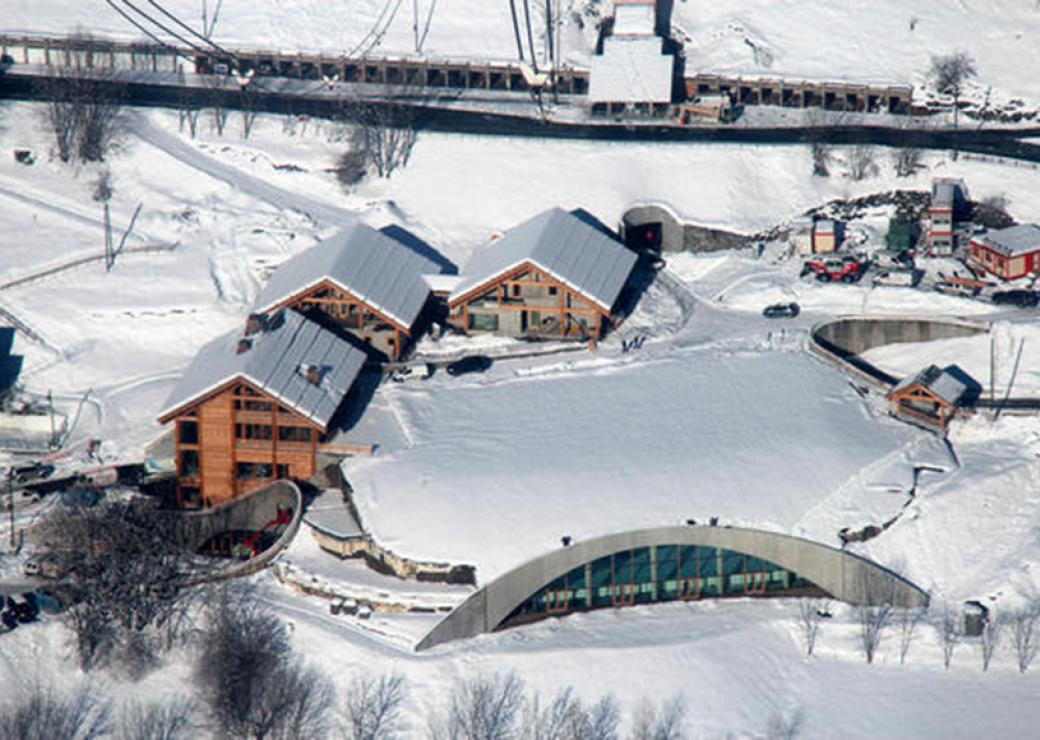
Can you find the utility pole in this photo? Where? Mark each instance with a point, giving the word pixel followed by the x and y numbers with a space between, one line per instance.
pixel 10 503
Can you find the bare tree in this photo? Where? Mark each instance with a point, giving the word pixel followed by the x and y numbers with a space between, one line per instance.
pixel 482 708
pixel 821 158
pixel 187 110
pixel 907 160
pixel 386 130
pixel 908 621
pixel 43 714
pixel 874 615
pixel 217 95
pixel 133 575
pixel 562 718
pixel 604 717
pixel 992 631
pixel 173 720
pixel 949 72
pixel 1023 635
pixel 948 627
pixel 861 162
pixel 373 708
pixel 665 723
pixel 352 164
pixel 99 99
pixel 60 112
pixel 810 615
pixel 248 96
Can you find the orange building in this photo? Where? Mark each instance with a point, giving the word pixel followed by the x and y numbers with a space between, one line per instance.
pixel 254 408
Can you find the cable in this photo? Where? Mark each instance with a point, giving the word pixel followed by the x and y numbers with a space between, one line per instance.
pixel 530 36
pixel 146 32
pixel 426 28
pixel 156 23
pixel 516 30
pixel 189 29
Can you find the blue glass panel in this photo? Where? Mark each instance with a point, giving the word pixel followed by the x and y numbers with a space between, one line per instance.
pixel 688 561
pixel 709 561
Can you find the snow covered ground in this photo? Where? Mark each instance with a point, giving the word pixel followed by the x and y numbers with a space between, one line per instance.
pixel 720 413
pixel 883 41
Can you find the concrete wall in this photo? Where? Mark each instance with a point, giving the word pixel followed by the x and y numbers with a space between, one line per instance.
pixel 859 334
pixel 678 235
pixel 844 576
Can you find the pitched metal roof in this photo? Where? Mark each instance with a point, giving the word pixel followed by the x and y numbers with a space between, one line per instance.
pixel 276 364
pixel 1014 240
pixel 942 383
pixel 632 69
pixel 947 190
pixel 378 270
pixel 635 18
pixel 575 253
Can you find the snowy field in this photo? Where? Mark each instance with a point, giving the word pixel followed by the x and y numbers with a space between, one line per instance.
pixel 881 41
pixel 720 413
pixel 587 450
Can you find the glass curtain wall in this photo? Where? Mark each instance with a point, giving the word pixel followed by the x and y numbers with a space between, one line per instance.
pixel 647 575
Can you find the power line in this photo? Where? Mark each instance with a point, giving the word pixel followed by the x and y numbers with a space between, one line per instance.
pixel 146 32
pixel 189 29
pixel 516 30
pixel 530 36
pixel 159 25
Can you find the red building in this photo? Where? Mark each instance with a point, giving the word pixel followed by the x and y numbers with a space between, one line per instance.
pixel 948 208
pixel 1008 253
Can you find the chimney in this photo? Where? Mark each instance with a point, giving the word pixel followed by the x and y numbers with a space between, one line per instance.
pixel 314 375
pixel 255 324
pixel 244 345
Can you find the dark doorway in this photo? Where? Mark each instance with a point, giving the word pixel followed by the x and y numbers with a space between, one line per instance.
pixel 642 237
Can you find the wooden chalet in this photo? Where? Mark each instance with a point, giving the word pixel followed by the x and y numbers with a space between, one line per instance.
pixel 252 409
pixel 552 277
pixel 361 283
pixel 931 398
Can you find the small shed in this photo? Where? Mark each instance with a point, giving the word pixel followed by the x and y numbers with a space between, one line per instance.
pixel 825 237
pixel 931 398
pixel 902 235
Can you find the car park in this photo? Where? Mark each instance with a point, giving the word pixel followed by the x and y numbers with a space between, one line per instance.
pixel 781 311
pixel 470 364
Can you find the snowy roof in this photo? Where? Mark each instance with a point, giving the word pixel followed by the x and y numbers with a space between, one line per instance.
pixel 947 190
pixel 632 69
pixel 635 17
pixel 572 251
pixel 1014 240
pixel 824 226
pixel 276 364
pixel 943 383
pixel 380 271
pixel 442 283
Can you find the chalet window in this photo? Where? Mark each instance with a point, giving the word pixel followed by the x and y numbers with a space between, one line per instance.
pixel 253 405
pixel 483 321
pixel 188 432
pixel 283 471
pixel 188 464
pixel 552 290
pixel 294 434
pixel 253 431
pixel 517 290
pixel 253 471
pixel 191 497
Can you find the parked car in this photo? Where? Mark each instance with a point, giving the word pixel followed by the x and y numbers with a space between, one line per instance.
pixel 897 278
pixel 1019 297
pixel 412 372
pixel 471 364
pixel 781 311
pixel 846 268
pixel 31 473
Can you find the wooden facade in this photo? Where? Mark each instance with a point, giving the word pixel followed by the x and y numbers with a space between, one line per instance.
pixel 528 302
pixel 342 309
pixel 236 440
pixel 919 405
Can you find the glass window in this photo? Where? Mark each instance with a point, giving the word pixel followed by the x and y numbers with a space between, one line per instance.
pixel 483 321
pixel 188 464
pixel 687 561
pixel 602 580
pixel 294 434
pixel 189 432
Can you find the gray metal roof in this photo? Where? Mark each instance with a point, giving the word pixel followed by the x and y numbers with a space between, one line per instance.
pixel 276 364
pixel 940 382
pixel 575 253
pixel 632 69
pixel 378 270
pixel 1014 240
pixel 946 191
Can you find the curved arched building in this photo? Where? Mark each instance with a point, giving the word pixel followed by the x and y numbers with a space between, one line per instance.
pixel 670 564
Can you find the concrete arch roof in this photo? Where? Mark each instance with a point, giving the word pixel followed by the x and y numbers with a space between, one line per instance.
pixel 843 575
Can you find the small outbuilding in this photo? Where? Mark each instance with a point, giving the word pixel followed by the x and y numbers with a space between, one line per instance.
pixel 931 398
pixel 552 277
pixel 825 236
pixel 1008 253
